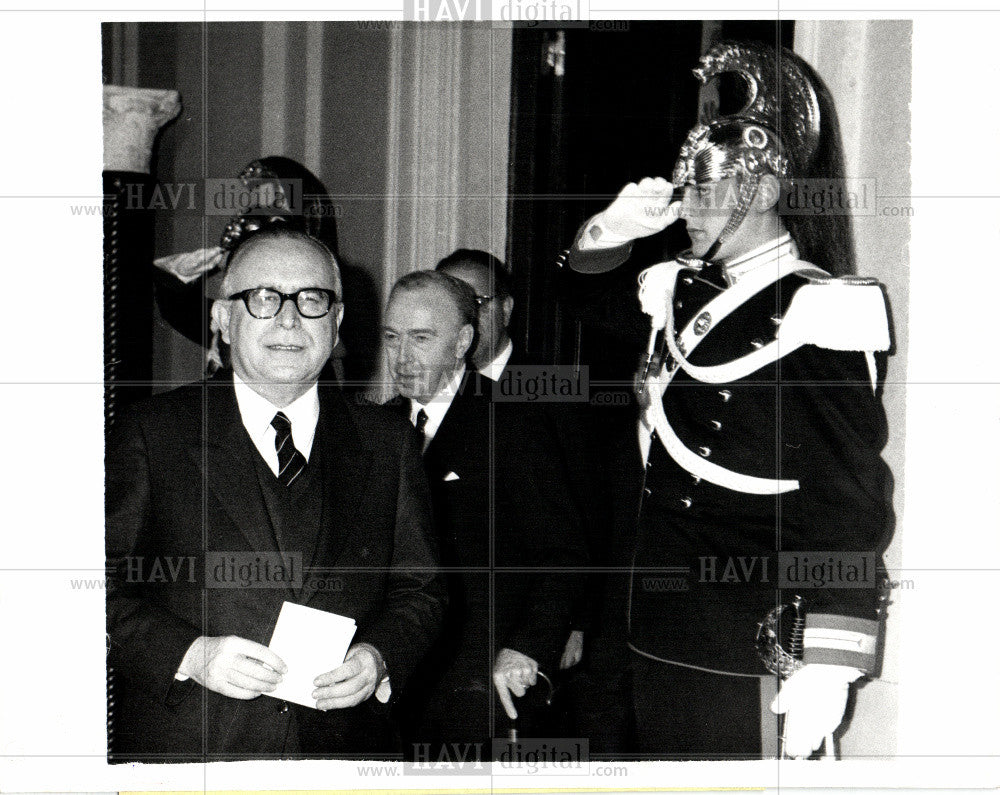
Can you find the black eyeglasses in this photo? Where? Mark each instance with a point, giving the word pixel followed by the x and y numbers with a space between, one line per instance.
pixel 483 299
pixel 264 303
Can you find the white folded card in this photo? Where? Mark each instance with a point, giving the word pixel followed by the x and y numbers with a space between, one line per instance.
pixel 311 642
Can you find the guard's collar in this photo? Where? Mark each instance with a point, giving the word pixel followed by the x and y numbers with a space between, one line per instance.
pixel 767 254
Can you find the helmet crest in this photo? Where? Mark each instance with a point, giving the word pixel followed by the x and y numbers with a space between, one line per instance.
pixel 776 130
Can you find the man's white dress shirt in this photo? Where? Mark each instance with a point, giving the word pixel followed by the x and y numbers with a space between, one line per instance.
pixel 495 369
pixel 257 413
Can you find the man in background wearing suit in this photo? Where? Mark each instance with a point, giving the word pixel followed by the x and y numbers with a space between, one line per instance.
pixel 217 491
pixel 500 500
pixel 490 281
pixel 574 430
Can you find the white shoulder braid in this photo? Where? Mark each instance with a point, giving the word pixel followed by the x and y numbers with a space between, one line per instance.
pixel 841 314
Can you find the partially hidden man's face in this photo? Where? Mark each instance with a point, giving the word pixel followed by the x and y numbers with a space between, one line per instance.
pixel 706 209
pixel 288 348
pixel 425 341
pixel 494 315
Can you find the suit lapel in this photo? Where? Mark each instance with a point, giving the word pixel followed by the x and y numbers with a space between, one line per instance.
pixel 458 430
pixel 346 466
pixel 228 467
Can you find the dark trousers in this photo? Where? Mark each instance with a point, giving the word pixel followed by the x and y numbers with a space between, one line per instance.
pixel 599 700
pixel 360 732
pixel 685 713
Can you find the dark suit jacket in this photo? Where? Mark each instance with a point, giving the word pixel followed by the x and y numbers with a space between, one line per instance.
pixel 181 485
pixel 501 505
pixel 577 433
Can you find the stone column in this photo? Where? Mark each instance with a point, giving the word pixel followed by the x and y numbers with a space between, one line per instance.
pixel 132 119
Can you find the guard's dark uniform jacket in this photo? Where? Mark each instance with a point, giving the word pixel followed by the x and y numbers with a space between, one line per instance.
pixel 707 561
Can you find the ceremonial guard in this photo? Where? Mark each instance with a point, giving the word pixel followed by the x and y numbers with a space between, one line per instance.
pixel 765 503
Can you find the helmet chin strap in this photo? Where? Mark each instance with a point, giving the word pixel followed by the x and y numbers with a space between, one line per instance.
pixel 748 190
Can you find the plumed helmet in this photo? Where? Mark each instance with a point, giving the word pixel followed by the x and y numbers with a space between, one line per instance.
pixel 289 194
pixel 776 131
pixel 787 126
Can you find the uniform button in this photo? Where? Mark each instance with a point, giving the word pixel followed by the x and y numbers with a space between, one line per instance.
pixel 704 452
pixel 646 491
pixel 725 394
pixel 283 708
pixel 757 343
pixel 686 502
pixel 695 480
pixel 679 304
pixel 776 319
pixel 716 425
pixel 688 280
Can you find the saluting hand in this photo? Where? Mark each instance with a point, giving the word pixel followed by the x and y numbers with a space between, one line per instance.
pixel 640 209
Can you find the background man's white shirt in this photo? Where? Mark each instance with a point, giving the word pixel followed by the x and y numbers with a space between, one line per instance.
pixel 495 369
pixel 437 407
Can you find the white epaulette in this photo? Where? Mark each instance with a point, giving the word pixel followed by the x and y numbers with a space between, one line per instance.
pixel 841 314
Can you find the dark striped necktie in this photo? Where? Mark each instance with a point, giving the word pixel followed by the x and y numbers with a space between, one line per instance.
pixel 290 461
pixel 421 425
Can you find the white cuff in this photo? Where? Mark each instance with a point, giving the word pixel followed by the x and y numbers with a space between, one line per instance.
pixel 595 236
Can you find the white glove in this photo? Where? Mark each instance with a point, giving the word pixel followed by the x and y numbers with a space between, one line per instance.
pixel 639 210
pixel 191 264
pixel 813 701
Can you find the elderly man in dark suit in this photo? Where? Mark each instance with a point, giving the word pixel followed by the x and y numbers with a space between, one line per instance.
pixel 501 502
pixel 576 436
pixel 490 281
pixel 258 471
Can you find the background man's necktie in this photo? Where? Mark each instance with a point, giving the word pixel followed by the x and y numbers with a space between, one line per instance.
pixel 290 461
pixel 420 425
